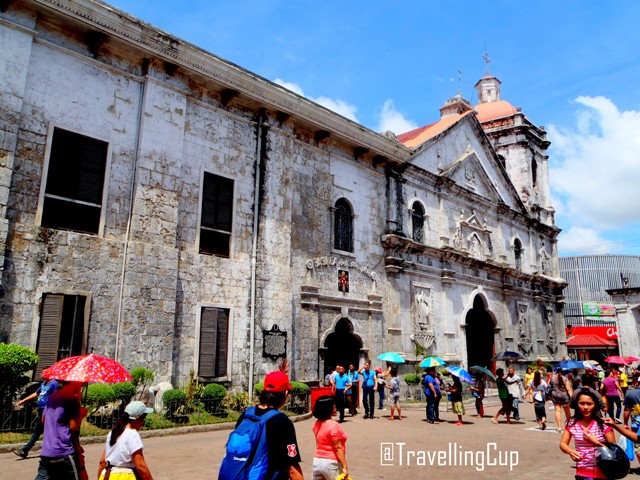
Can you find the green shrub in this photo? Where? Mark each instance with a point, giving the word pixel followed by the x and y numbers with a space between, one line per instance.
pixel 258 387
pixel 155 421
pixel 174 401
pixel 99 394
pixel 15 361
pixel 124 391
pixel 299 387
pixel 412 379
pixel 214 391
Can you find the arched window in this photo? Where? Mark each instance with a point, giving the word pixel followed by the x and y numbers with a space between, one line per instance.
pixel 517 251
pixel 534 171
pixel 343 226
pixel 417 222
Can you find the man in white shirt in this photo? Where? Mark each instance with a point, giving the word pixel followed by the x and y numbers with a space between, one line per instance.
pixel 516 391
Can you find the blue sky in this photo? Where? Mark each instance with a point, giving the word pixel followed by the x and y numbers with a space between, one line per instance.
pixel 572 66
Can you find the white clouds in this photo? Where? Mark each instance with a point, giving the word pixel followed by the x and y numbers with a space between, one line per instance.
pixel 595 167
pixel 392 119
pixel 582 241
pixel 339 106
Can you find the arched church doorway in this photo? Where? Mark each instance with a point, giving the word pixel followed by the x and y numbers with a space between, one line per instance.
pixel 479 330
pixel 342 347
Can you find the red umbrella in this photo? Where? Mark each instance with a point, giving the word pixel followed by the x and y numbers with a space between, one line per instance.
pixel 632 359
pixel 617 360
pixel 88 368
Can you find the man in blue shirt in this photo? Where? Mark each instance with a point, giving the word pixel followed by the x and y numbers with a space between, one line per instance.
pixel 353 392
pixel 43 392
pixel 368 389
pixel 341 383
pixel 431 390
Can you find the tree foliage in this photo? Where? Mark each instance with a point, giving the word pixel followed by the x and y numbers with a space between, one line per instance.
pixel 15 362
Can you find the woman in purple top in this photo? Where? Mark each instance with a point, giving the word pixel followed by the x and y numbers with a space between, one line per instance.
pixel 62 457
pixel 611 389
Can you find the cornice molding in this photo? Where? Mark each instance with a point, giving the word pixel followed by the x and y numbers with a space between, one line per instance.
pixel 103 17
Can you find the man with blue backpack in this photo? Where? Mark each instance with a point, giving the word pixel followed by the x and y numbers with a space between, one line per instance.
pixel 264 444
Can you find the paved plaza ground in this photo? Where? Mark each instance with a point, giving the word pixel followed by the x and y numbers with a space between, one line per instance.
pixel 523 451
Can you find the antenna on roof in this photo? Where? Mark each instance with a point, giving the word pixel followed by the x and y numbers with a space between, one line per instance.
pixel 459 82
pixel 487 60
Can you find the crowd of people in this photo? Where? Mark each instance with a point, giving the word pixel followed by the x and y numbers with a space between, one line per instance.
pixel 596 397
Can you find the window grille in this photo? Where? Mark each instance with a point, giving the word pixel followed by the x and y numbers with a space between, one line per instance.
pixel 343 226
pixel 217 215
pixel 417 222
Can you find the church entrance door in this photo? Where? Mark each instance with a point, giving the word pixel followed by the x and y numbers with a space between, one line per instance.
pixel 342 347
pixel 480 335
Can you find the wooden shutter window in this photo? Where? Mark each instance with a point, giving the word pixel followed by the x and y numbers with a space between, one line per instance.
pixel 208 340
pixel 49 335
pixel 223 340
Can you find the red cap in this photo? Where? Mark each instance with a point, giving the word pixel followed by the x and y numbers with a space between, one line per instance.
pixel 378 370
pixel 277 382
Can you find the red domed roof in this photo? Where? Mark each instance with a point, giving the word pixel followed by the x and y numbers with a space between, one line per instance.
pixel 491 110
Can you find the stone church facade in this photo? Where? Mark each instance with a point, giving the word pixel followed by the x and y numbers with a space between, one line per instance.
pixel 165 207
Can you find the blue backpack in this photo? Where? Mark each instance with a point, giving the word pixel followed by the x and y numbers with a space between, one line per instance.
pixel 247 452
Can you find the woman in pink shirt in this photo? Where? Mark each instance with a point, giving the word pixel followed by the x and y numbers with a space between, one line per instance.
pixel 330 459
pixel 611 389
pixel 589 432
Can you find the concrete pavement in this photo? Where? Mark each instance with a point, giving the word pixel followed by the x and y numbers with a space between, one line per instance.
pixel 410 448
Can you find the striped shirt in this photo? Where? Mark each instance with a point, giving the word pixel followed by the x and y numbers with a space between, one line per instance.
pixel 586 466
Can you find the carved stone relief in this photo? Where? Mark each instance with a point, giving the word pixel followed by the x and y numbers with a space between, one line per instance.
pixel 525 345
pixel 422 314
pixel 324 270
pixel 545 266
pixel 552 342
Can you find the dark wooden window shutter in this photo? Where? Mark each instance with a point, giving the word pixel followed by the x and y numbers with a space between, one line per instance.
pixel 208 340
pixel 223 340
pixel 214 339
pixel 49 335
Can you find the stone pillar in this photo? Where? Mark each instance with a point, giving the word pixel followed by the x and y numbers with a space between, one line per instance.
pixel 16 40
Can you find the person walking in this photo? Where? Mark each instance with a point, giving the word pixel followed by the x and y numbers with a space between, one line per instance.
pixel 341 384
pixel 368 389
pixel 528 378
pixel 588 382
pixel 538 391
pixel 516 391
pixel 477 392
pixel 394 395
pixel 62 457
pixel 560 396
pixel 503 395
pixel 283 452
pixel 330 457
pixel 122 458
pixel 381 385
pixel 589 431
pixel 623 380
pixel 436 405
pixel 43 393
pixel 351 395
pixel 457 407
pixel 611 390
pixel 431 391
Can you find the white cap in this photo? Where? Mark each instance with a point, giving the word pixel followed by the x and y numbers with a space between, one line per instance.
pixel 136 409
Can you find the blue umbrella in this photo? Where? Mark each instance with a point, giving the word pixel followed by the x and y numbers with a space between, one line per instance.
pixel 508 355
pixel 391 357
pixel 432 362
pixel 570 364
pixel 486 371
pixel 461 373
